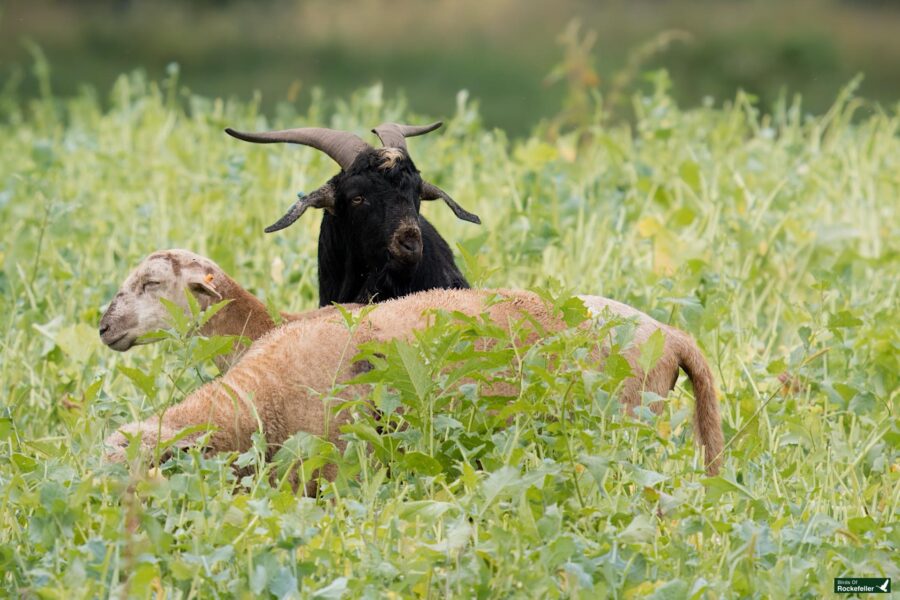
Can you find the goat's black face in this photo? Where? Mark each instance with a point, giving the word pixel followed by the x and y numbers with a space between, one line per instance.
pixel 378 199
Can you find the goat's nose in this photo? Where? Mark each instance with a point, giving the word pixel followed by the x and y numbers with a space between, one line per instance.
pixel 410 240
pixel 104 327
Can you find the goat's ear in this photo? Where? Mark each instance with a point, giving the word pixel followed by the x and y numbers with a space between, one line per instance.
pixel 321 198
pixel 202 283
pixel 430 191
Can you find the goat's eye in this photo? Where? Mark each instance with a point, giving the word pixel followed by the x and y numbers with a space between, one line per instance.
pixel 149 285
pixel 357 200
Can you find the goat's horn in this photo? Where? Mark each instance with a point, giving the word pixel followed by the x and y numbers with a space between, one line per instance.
pixel 430 191
pixel 393 135
pixel 343 147
pixel 321 198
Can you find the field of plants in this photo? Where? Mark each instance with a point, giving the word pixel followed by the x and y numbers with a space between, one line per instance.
pixel 773 239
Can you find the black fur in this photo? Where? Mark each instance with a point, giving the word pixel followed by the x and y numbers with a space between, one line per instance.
pixel 355 264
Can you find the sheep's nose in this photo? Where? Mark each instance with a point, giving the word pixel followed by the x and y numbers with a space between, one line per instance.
pixel 103 328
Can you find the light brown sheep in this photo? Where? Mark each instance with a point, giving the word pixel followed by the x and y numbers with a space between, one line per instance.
pixel 136 308
pixel 285 377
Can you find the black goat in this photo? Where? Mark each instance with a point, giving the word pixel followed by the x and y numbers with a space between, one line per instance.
pixel 374 244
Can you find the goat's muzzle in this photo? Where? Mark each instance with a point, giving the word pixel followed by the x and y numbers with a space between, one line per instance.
pixel 406 245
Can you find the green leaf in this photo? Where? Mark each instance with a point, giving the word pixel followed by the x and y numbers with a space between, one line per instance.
pixel 597 466
pixel 844 319
pixel 574 311
pixel 47 447
pixel 91 392
pixel 144 381
pixel 671 590
pixel 192 303
pixel 333 591
pixel 861 525
pixel 217 345
pixel 180 322
pixel 421 463
pixel 428 511
pixel 498 482
pixel 457 536
pixel 640 530
pixel 717 486
pixel 185 433
pixel 646 477
pixel 23 462
pixel 652 350
pixel 415 368
pixel 617 367
pixel 283 584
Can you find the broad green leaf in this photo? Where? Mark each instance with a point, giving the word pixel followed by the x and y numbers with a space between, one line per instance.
pixel 717 486
pixel 597 466
pixel 641 529
pixel 333 591
pixel 574 311
pixel 416 370
pixel 646 477
pixel 23 462
pixel 652 350
pixel 844 319
pixel 193 305
pixel 617 367
pixel 180 321
pixel 144 381
pixel 421 463
pixel 457 537
pixel 428 511
pixel 861 525
pixel 211 347
pixel 498 482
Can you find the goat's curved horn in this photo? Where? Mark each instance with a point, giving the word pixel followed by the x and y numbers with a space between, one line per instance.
pixel 430 191
pixel 393 135
pixel 343 147
pixel 321 198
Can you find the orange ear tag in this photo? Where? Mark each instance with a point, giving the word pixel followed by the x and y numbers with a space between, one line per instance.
pixel 208 280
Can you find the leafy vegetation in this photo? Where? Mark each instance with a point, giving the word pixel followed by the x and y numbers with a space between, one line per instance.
pixel 772 238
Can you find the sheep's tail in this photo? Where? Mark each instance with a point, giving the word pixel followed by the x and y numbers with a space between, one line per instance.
pixel 707 421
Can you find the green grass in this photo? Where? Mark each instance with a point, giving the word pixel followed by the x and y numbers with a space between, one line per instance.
pixel 773 239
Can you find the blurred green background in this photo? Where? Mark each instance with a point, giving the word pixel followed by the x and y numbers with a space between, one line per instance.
pixel 521 60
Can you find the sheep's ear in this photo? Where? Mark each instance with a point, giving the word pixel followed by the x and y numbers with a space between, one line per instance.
pixel 430 191
pixel 203 284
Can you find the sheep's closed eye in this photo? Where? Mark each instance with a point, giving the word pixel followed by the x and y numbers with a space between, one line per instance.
pixel 149 285
pixel 357 200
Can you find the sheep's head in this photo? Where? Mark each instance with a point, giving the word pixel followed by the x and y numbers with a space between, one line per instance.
pixel 377 194
pixel 136 308
pixel 150 433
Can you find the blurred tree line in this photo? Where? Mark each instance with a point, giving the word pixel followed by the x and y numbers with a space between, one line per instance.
pixel 506 53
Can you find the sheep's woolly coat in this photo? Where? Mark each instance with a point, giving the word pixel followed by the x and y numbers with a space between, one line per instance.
pixel 286 376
